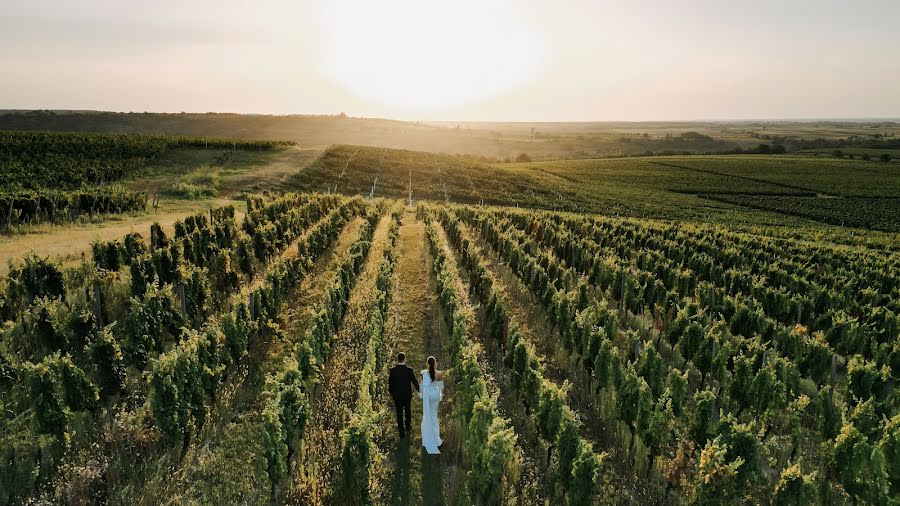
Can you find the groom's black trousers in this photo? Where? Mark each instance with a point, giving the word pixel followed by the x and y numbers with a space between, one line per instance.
pixel 403 406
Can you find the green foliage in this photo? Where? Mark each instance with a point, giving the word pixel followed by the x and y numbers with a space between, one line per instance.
pixel 717 481
pixel 36 206
pixel 491 449
pixel 108 364
pixel 150 323
pixel 795 488
pixel 44 391
pixel 704 417
pixel 69 160
pixel 79 394
pixel 586 473
pixel 850 462
pixel 889 445
pixel 36 277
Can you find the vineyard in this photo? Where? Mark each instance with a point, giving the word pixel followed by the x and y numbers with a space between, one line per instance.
pixel 59 177
pixel 242 358
pixel 793 192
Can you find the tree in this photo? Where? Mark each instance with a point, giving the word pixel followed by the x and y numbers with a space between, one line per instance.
pixel 864 418
pixel 491 447
pixel 585 476
pixel 863 377
pixel 885 157
pixel 550 411
pixel 78 391
pixel 568 443
pixel 36 277
pixel 830 413
pixel 43 387
pixel 676 389
pixel 274 443
pixel 837 153
pixel 740 438
pixel 523 158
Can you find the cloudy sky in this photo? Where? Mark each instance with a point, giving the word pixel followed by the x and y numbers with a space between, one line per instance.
pixel 457 60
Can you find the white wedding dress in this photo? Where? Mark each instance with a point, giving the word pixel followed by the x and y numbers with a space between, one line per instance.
pixel 431 393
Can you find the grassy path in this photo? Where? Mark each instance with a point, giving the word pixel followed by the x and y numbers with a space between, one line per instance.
pixel 415 327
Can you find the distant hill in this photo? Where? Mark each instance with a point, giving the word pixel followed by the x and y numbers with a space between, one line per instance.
pixel 493 142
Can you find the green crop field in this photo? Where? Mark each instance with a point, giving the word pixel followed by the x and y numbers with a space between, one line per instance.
pixel 717 189
pixel 686 329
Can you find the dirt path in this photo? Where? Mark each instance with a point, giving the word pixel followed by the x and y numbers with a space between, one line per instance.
pixel 415 327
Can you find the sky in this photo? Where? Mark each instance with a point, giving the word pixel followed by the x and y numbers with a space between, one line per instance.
pixel 466 60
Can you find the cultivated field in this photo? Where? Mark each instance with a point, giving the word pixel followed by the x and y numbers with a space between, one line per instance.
pixel 658 330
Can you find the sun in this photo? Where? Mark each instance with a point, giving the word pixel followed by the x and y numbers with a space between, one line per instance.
pixel 422 56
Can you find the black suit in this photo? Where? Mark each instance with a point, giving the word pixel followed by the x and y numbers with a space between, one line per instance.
pixel 400 383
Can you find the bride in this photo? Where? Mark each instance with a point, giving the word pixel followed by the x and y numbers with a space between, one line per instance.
pixel 431 391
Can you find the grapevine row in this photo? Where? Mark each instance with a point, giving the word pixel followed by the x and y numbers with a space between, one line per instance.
pixel 489 441
pixel 287 393
pixel 744 367
pixel 579 466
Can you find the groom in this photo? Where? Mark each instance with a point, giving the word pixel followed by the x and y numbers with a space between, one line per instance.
pixel 399 381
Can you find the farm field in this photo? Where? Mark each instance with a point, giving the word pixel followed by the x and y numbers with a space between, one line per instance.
pixel 711 189
pixel 661 330
pixel 591 359
pixel 165 185
pixel 492 253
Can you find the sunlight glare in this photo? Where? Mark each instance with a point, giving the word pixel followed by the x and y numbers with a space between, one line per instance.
pixel 423 55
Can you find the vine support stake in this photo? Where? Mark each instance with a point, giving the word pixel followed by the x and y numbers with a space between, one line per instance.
pixel 182 299
pixel 98 306
pixel 833 370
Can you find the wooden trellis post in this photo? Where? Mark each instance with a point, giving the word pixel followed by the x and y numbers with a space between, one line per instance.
pixel 833 370
pixel 182 299
pixel 98 306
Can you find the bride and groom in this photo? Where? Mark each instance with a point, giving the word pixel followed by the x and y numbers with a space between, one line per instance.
pixel 401 381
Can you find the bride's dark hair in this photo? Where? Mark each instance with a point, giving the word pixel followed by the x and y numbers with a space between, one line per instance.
pixel 431 364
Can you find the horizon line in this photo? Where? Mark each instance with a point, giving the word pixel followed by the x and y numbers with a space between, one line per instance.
pixel 785 119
